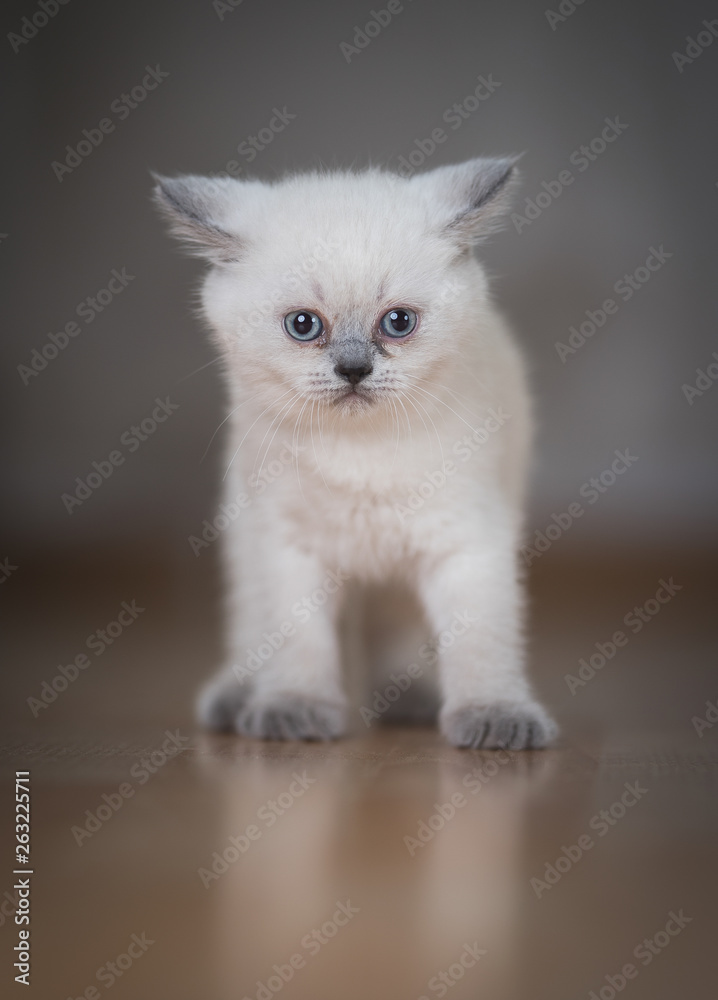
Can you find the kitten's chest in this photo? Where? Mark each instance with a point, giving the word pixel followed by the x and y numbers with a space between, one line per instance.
pixel 365 474
pixel 358 530
pixel 367 517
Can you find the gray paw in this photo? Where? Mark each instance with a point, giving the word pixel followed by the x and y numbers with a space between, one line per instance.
pixel 291 717
pixel 509 725
pixel 219 703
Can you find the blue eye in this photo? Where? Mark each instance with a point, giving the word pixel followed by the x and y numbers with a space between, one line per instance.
pixel 398 322
pixel 303 325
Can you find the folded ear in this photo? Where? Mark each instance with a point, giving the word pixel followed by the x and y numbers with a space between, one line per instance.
pixel 199 210
pixel 469 199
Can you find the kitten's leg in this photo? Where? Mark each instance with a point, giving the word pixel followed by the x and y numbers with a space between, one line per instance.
pixel 475 600
pixel 285 680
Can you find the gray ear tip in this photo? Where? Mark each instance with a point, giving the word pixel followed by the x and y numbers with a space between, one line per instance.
pixel 195 206
pixel 160 187
pixel 171 193
pixel 502 162
pixel 180 182
pixel 509 162
pixel 159 179
pixel 514 170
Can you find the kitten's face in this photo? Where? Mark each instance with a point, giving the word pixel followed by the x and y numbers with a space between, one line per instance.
pixel 348 291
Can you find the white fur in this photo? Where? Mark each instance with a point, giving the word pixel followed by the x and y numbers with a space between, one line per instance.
pixel 348 247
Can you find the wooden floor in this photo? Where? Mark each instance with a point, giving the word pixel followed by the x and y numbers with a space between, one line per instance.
pixel 387 865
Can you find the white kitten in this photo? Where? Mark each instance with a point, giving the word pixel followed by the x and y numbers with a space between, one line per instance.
pixel 359 340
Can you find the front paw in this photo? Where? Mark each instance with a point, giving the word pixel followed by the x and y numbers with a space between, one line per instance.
pixel 220 701
pixel 508 725
pixel 291 716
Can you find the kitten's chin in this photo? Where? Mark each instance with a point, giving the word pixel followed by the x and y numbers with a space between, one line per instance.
pixel 354 400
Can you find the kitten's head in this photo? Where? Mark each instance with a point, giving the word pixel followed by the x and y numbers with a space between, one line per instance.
pixel 344 289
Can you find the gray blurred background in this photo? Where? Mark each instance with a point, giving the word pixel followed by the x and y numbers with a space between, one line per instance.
pixel 228 69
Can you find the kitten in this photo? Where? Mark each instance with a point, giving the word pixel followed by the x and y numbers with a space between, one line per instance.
pixel 366 363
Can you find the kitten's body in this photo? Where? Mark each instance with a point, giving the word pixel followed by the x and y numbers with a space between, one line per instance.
pixel 412 476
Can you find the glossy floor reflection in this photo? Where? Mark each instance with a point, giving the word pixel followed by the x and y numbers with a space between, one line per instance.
pixel 389 866
pixel 172 864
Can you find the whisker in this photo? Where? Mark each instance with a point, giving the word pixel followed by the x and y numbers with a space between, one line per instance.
pixel 395 427
pixel 273 403
pixel 322 410
pixel 406 414
pixel 418 388
pixel 314 449
pixel 231 412
pixel 278 418
pixel 200 369
pixel 456 395
pixel 436 430
pixel 294 437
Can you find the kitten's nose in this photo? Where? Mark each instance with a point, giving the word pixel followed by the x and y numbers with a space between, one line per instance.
pixel 354 373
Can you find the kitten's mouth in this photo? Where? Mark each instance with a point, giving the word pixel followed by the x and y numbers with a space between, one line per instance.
pixel 355 397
